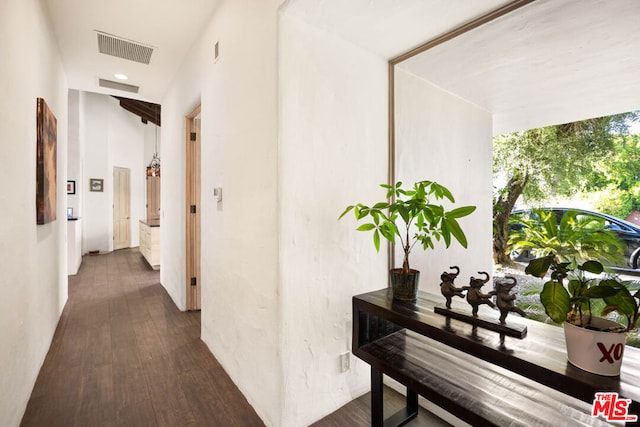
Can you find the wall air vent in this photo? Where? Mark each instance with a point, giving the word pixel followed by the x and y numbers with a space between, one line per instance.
pixel 123 48
pixel 118 86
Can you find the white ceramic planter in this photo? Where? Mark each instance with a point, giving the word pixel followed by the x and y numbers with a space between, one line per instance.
pixel 594 351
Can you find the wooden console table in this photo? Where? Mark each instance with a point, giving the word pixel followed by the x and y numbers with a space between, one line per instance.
pixel 475 374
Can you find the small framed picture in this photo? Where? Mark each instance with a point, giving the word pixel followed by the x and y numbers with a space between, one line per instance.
pixel 69 213
pixel 71 187
pixel 96 184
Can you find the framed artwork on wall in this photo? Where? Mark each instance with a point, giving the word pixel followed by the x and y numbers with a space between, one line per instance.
pixel 96 184
pixel 46 163
pixel 71 187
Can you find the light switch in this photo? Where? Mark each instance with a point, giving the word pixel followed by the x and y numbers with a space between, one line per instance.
pixel 217 194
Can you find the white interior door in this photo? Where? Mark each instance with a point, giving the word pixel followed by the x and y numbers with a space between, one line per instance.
pixel 121 208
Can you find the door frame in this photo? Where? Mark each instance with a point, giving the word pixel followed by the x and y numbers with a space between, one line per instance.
pixel 193 215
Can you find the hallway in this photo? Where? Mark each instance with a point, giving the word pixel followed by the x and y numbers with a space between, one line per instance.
pixel 124 355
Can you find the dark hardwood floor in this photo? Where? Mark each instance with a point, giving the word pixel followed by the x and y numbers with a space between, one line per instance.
pixel 358 413
pixel 124 355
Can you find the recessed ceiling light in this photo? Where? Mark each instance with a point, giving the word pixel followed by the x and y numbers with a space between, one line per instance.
pixel 120 76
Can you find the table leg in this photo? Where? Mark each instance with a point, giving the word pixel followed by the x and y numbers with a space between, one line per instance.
pixel 412 402
pixel 377 415
pixel 401 417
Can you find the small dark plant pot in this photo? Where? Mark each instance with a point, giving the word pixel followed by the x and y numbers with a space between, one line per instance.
pixel 404 287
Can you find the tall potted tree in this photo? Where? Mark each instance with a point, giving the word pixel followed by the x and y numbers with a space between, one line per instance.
pixel 411 216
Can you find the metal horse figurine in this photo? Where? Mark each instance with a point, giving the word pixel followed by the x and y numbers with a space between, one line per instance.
pixel 475 297
pixel 448 289
pixel 505 300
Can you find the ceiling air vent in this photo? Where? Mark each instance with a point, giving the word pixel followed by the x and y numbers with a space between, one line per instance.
pixel 118 86
pixel 123 48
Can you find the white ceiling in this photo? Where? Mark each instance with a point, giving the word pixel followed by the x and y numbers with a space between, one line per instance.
pixel 389 27
pixel 385 27
pixel 551 61
pixel 170 26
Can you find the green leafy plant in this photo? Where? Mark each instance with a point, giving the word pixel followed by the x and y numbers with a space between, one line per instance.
pixel 573 301
pixel 528 164
pixel 421 221
pixel 576 236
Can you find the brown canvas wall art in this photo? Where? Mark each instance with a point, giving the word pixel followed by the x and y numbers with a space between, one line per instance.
pixel 46 174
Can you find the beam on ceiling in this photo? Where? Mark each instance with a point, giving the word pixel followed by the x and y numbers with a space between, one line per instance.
pixel 147 111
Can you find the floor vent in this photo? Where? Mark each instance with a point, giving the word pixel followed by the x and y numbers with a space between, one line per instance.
pixel 118 86
pixel 123 48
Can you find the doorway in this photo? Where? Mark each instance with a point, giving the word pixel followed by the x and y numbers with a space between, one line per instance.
pixel 192 198
pixel 121 208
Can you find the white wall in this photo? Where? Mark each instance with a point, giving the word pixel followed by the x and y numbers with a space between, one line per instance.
pixel 113 137
pixel 127 145
pixel 274 256
pixel 240 295
pixel 96 209
pixel 332 153
pixel 278 269
pixel 75 156
pixel 76 149
pixel 152 142
pixel 33 258
pixel 442 137
pixel 152 145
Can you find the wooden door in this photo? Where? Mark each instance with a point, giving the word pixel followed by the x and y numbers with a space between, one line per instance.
pixel 121 208
pixel 153 198
pixel 193 209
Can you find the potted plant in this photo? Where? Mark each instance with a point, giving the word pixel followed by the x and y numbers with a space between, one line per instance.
pixel 411 216
pixel 594 344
